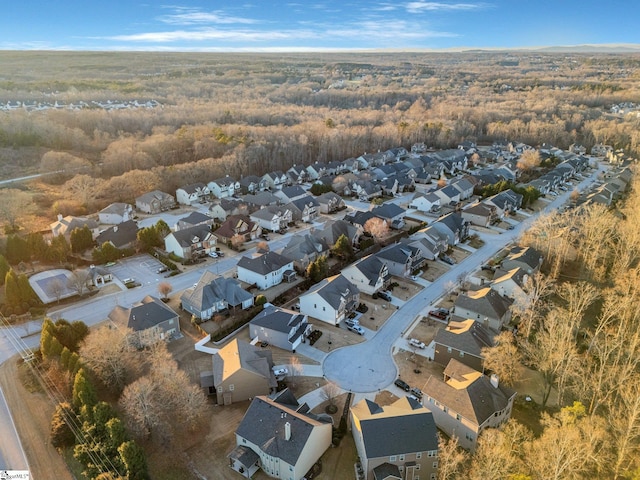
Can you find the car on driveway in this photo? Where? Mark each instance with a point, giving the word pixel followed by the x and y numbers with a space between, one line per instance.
pixel 416 392
pixel 447 259
pixel 350 323
pixel 442 315
pixel 402 384
pixel 414 342
pixel 213 254
pixel 489 268
pixel 280 372
pixel 385 295
pixel 356 328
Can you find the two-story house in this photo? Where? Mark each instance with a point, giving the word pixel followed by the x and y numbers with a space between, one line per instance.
pixel 224 187
pixel 275 180
pixel 331 300
pixel 463 341
pixel 401 259
pixel 273 218
pixel 238 227
pixel 283 328
pixel 265 270
pixel 155 202
pixel 192 194
pixel 368 274
pixel 115 213
pixel 190 242
pixel 213 294
pixel 486 306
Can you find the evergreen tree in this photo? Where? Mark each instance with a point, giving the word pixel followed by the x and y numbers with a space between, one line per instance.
pixel 81 239
pixel 62 435
pixel 12 289
pixel 134 460
pixel 17 250
pixel 343 248
pixel 4 269
pixel 84 393
pixel 37 246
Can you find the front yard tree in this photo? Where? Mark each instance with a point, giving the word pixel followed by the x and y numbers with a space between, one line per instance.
pixel 164 289
pixel 84 394
pixel 78 281
pixel 329 393
pixel 318 270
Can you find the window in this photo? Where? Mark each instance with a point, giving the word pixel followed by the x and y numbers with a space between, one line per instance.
pixel 432 453
pixel 231 387
pixel 458 417
pixel 433 476
pixel 219 389
pixel 417 466
pixel 449 349
pixel 446 409
pixel 392 458
pixel 401 458
pixel 324 309
pixel 462 354
pixel 435 464
pixel 418 455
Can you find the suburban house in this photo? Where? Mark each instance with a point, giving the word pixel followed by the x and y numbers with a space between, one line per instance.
pixel 281 437
pixel 240 225
pixel 308 207
pixel 449 195
pixel 283 328
pixel 192 194
pixel 304 249
pixel 115 213
pixel 368 274
pixel 486 306
pixel 155 202
pixel 464 342
pixel 66 225
pixel 480 214
pixel 240 372
pixel 190 242
pixel 193 219
pixel 391 213
pixel 213 294
pixel 123 235
pixel 151 320
pixel 330 202
pixel 401 259
pixel 297 174
pixel 397 441
pixel 251 184
pixel 510 283
pixel 316 170
pixel 225 207
pixel 275 180
pixel 265 270
pixel 224 187
pixel 99 276
pixel 331 300
pixel 425 202
pixel 525 258
pixel 453 226
pixel 289 194
pixel 261 199
pixel 430 241
pixel 272 218
pixel 333 229
pixel 466 402
pixel 506 202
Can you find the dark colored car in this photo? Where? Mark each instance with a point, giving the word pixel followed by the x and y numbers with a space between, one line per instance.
pixel 488 268
pixel 385 296
pixel 447 259
pixel 402 384
pixel 439 314
pixel 417 392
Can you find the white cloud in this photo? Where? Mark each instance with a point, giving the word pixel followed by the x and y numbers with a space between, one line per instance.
pixel 213 34
pixel 420 7
pixel 196 17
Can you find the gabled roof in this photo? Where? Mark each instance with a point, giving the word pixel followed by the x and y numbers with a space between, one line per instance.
pixel 262 199
pixel 467 336
pixel 300 246
pixel 518 275
pixel 388 211
pixel 187 237
pixel 119 235
pixel 212 289
pixel 329 197
pixel 403 427
pixel 264 426
pixel 154 195
pixel 526 255
pixel 146 314
pixel 116 208
pixel 486 302
pixel 468 392
pixel 306 201
pixel 293 192
pixel 278 319
pixel 237 355
pixel 224 181
pixel 249 179
pixel 387 471
pixel 333 290
pixel 195 218
pixel 371 267
pixel 263 264
pixel 235 224
pixel 193 188
pixel 453 221
pixel 479 209
pixel 333 229
pixel 397 253
pixel 67 224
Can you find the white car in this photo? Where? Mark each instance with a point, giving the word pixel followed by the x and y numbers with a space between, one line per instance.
pixel 280 371
pixel 356 328
pixel 414 342
pixel 213 254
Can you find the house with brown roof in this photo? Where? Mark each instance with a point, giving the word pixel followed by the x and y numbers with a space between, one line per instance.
pixel 240 225
pixel 486 306
pixel 396 441
pixel 281 437
pixel 466 402
pixel 241 372
pixel 464 342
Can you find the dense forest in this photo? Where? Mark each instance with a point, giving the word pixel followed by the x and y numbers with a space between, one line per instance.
pixel 115 125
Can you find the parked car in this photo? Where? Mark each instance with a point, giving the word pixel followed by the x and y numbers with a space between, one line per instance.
pixel 439 314
pixel 447 259
pixel 356 328
pixel 280 372
pixel 162 269
pixel 510 227
pixel 488 268
pixel 385 295
pixel 417 392
pixel 351 323
pixel 414 342
pixel 213 254
pixel 402 384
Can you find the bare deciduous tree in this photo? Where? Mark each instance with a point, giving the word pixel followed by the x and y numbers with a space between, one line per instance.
pixel 329 393
pixel 529 160
pixel 78 281
pixel 451 458
pixel 377 227
pixel 164 289
pixel 503 359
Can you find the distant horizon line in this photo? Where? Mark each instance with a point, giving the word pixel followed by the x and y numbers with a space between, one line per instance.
pixel 577 48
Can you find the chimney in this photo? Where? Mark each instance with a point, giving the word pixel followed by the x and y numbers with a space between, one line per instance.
pixel 60 217
pixel 287 431
pixel 495 380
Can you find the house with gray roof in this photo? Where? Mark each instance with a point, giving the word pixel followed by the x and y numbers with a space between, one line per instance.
pixel 333 229
pixel 251 184
pixel 453 226
pixel 481 214
pixel 150 320
pixel 331 300
pixel 526 258
pixel 463 341
pixel 155 202
pixel 510 283
pixel 425 202
pixel 213 294
pixel 224 187
pixel 289 194
pixel 193 219
pixel 273 218
pixel 283 439
pixel 304 249
pixel 123 235
pixel 401 259
pixel 191 242
pixel 466 402
pixel 66 225
pixel 395 441
pixel 262 199
pixel 297 174
pixel 281 327
pixel 368 274
pixel 265 270
pixel 391 213
pixel 223 208
pixel 449 195
pixel 192 194
pixel 429 241
pixel 275 180
pixel 308 207
pixel 330 202
pixel 115 213
pixel 486 306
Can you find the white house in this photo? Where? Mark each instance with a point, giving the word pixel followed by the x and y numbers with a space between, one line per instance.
pixel 224 187
pixel 192 194
pixel 425 202
pixel 265 270
pixel 115 213
pixel 330 300
pixel 369 274
pixel 272 218
pixel 280 327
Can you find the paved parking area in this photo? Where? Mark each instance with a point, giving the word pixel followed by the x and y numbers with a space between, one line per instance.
pixel 142 268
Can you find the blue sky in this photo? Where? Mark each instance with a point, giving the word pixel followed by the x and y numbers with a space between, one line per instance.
pixel 271 25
